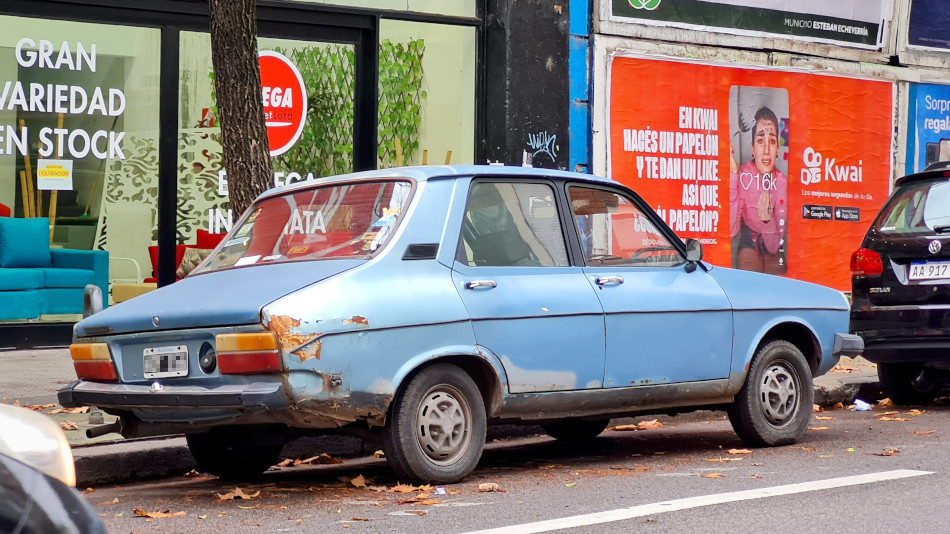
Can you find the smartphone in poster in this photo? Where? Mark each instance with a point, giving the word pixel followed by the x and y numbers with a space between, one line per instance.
pixel 758 178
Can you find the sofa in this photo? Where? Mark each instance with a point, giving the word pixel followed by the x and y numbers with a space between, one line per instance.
pixel 37 280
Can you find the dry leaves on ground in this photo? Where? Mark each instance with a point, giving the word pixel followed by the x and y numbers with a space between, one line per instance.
pixel 78 409
pixel 841 368
pixel 883 403
pixel 38 407
pixel 924 432
pixel 817 428
pixel 237 493
pixel 422 498
pixel 915 412
pixel 489 487
pixel 159 515
pixel 406 488
pixel 323 459
pixel 739 451
pixel 824 418
pixel 713 475
pixel 68 425
pixel 642 425
pixel 887 452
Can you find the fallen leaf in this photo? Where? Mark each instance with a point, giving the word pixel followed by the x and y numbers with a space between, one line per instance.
pixel 824 456
pixel 850 449
pixel 402 488
pixel 237 493
pixel 915 412
pixel 38 407
pixel 120 514
pixel 202 517
pixel 809 448
pixel 359 482
pixel 249 507
pixel 192 474
pixel 379 454
pixel 286 462
pixel 423 498
pixel 416 512
pixel 487 487
pixel 885 402
pixel 322 459
pixel 551 466
pixel 885 414
pixel 158 515
pixel 622 428
pixel 887 452
pixel 642 469
pixel 839 368
pixel 723 460
pixel 756 476
pixel 815 408
pixel 113 501
pixel 571 484
pixel 90 490
pixel 68 425
pixel 824 418
pixel 360 519
pixel 739 451
pixel 713 475
pixel 649 425
pixel 817 428
pixel 923 432
pixel 892 419
pixel 838 406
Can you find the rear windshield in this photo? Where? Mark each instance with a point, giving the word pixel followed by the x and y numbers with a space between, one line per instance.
pixel 335 221
pixel 917 208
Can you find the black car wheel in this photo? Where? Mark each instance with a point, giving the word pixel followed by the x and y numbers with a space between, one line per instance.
pixel 575 431
pixel 436 430
pixel 774 405
pixel 232 452
pixel 908 383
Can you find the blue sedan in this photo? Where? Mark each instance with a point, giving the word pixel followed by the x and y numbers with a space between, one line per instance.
pixel 417 305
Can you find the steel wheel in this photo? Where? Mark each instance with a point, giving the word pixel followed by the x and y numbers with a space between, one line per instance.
pixel 444 423
pixel 778 393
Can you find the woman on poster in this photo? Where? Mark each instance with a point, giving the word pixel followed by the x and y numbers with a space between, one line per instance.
pixel 758 200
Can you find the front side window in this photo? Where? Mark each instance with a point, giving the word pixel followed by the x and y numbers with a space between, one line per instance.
pixel 917 208
pixel 512 225
pixel 614 231
pixel 334 221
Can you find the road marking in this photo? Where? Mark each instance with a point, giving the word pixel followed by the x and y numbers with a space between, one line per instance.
pixel 697 502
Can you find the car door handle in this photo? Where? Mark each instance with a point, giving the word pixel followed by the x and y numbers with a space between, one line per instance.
pixel 476 284
pixel 608 280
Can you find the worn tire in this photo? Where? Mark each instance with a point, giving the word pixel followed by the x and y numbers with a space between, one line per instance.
pixel 436 428
pixel 575 430
pixel 900 382
pixel 775 403
pixel 232 452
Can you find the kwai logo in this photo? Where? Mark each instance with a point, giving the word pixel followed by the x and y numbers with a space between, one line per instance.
pixel 812 171
pixel 649 5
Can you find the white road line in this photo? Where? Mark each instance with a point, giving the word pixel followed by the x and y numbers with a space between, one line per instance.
pixel 697 502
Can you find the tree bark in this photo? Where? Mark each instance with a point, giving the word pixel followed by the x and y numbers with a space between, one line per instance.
pixel 237 82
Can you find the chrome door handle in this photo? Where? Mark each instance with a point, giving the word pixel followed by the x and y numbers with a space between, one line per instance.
pixel 476 284
pixel 608 280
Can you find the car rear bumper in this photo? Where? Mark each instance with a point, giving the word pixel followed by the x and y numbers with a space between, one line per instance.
pixel 257 395
pixel 903 333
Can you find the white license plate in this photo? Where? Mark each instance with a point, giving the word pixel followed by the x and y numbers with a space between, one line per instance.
pixel 163 362
pixel 929 270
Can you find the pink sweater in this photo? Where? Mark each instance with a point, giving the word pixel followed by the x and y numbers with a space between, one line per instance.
pixel 745 188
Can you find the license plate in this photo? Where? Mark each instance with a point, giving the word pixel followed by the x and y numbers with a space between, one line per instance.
pixel 163 362
pixel 929 270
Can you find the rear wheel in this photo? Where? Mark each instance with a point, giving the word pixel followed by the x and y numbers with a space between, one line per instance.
pixel 909 383
pixel 436 431
pixel 233 452
pixel 774 405
pixel 574 430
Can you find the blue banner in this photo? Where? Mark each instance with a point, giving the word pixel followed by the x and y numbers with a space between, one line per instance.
pixel 928 130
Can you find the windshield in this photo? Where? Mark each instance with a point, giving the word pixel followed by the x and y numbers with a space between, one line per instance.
pixel 917 208
pixel 349 220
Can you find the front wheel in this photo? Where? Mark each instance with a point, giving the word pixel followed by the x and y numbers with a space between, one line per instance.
pixel 908 383
pixel 774 405
pixel 436 430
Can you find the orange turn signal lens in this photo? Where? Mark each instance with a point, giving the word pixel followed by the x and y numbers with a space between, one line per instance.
pixel 93 361
pixel 248 353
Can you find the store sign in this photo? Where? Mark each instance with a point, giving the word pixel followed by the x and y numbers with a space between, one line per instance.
pixel 929 126
pixel 54 175
pixel 929 24
pixel 856 22
pixel 57 71
pixel 771 170
pixel 285 101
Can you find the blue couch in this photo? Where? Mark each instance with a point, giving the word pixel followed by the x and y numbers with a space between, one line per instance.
pixel 35 279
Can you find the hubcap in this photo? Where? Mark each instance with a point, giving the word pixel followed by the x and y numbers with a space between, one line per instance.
pixel 778 394
pixel 443 424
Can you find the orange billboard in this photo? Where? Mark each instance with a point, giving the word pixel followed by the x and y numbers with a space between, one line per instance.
pixel 773 171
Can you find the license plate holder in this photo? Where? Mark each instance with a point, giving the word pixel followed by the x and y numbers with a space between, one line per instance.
pixel 165 362
pixel 929 270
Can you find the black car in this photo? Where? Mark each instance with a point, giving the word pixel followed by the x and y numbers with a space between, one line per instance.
pixel 900 283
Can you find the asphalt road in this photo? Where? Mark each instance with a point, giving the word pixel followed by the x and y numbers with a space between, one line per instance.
pixel 866 472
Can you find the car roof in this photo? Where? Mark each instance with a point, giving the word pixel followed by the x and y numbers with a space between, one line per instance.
pixel 433 172
pixel 939 169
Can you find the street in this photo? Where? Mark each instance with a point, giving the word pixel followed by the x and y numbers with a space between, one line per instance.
pixel 853 472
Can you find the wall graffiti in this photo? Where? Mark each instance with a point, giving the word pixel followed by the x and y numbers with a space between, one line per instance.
pixel 543 143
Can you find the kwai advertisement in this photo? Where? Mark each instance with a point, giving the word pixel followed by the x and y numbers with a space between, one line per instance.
pixel 928 130
pixel 773 171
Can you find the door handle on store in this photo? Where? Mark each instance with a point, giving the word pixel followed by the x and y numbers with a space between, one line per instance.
pixel 478 284
pixel 608 280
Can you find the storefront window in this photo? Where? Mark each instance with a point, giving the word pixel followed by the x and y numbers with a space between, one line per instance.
pixel 78 131
pixel 454 8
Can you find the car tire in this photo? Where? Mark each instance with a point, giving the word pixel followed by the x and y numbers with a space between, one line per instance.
pixel 436 429
pixel 900 382
pixel 575 430
pixel 232 453
pixel 775 403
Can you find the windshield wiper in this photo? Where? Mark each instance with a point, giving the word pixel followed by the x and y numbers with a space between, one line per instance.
pixel 942 229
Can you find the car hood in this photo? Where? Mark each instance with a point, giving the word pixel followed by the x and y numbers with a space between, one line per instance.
pixel 756 291
pixel 219 298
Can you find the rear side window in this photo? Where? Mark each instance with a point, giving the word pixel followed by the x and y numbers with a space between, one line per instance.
pixel 349 220
pixel 916 208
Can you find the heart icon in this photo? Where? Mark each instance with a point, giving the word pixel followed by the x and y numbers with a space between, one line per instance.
pixel 742 180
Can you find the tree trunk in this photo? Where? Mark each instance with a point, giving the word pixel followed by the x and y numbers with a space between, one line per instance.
pixel 237 82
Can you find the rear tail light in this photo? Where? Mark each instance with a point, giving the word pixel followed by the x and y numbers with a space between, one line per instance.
pixel 865 262
pixel 93 361
pixel 248 354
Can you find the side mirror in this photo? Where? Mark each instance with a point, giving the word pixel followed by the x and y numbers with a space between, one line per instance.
pixel 694 253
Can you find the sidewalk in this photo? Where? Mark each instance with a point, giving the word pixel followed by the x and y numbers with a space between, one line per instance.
pixel 32 377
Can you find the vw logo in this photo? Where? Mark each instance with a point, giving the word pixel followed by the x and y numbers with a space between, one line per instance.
pixel 934 247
